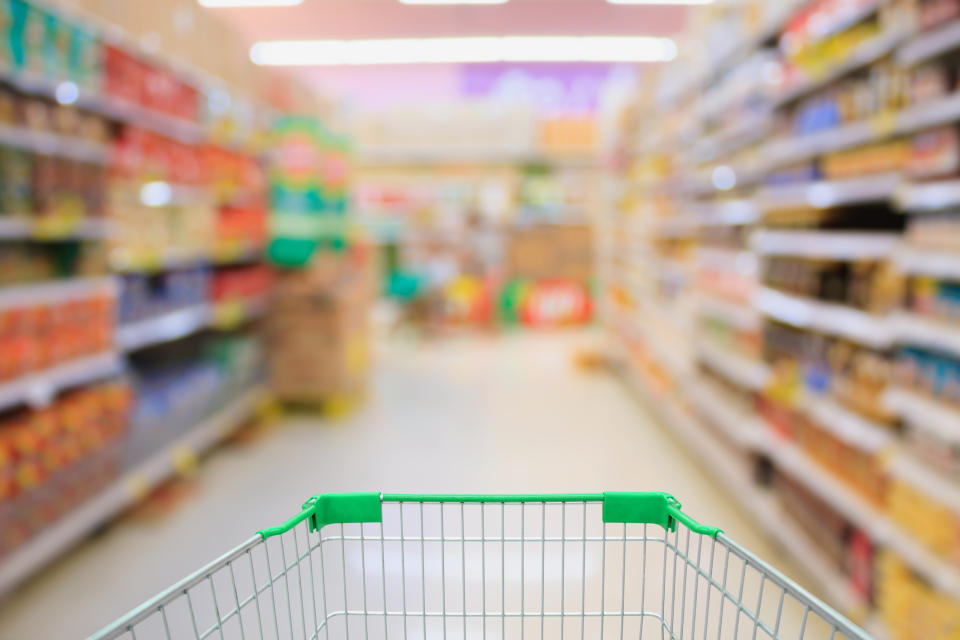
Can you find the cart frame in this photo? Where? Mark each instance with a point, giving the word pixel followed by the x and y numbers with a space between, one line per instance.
pixel 283 602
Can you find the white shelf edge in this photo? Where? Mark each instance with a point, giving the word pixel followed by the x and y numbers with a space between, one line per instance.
pixel 942 489
pixel 823 194
pixel 165 327
pixel 181 323
pixel 838 245
pixel 846 424
pixel 750 374
pixel 48 144
pixel 52 291
pixel 929 196
pixel 862 55
pixel 16 227
pixel 739 426
pixel 922 412
pixel 111 107
pixel 929 44
pixel 832 319
pixel 123 492
pixel 914 329
pixel 926 115
pixel 741 315
pixel 921 261
pixel 38 388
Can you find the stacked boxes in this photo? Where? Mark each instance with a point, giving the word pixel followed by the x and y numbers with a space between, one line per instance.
pixel 318 333
pixel 551 252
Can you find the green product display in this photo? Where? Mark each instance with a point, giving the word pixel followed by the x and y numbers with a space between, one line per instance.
pixel 308 192
pixel 618 507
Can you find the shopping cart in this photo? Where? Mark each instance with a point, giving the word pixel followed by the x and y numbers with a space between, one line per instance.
pixel 366 565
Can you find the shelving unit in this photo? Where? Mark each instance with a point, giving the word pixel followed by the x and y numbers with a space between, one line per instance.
pixel 57 241
pixel 805 195
pixel 126 490
pixel 37 389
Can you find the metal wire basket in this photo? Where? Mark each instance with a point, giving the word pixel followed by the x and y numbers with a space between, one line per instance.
pixel 366 565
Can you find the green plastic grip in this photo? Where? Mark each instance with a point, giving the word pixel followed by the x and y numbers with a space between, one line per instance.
pixel 650 508
pixel 618 507
pixel 332 508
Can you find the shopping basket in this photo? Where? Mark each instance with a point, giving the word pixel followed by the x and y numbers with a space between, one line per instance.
pixel 370 565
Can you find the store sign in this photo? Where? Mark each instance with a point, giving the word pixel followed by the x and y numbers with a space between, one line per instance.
pixel 556 302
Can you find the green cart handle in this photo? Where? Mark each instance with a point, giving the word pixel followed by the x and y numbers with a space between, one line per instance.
pixel 623 507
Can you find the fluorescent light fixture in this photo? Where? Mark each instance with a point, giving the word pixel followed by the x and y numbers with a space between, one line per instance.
pixel 217 4
pixel 462 50
pixel 453 1
pixel 662 2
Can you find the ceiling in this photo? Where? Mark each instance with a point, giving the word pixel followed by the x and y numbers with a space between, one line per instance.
pixel 350 19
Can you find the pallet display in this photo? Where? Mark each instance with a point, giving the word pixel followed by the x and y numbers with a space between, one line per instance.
pixel 813 232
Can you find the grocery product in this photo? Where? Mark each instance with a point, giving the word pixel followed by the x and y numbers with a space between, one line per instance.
pixel 42 451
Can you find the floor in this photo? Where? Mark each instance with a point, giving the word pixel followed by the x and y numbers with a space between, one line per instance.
pixel 488 414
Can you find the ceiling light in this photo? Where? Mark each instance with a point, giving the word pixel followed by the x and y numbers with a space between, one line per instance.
pixel 655 2
pixel 249 3
pixel 453 1
pixel 462 50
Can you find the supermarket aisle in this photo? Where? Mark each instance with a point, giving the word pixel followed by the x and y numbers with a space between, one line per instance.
pixel 507 414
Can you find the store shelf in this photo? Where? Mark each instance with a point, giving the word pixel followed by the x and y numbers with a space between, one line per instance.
pixel 15 227
pixel 736 314
pixel 55 291
pixel 928 262
pixel 861 56
pixel 836 245
pixel 924 412
pixel 739 426
pixel 731 139
pixel 944 490
pixel 823 194
pixel 832 319
pixel 910 120
pixel 163 328
pixel 735 261
pixel 38 389
pixel 804 147
pixel 877 526
pixel 928 114
pixel 930 44
pixel 110 107
pixel 50 144
pixel 833 491
pixel 928 196
pixel 763 508
pixel 846 424
pixel 156 261
pixel 735 368
pixel 914 329
pixel 124 492
pixel 729 213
